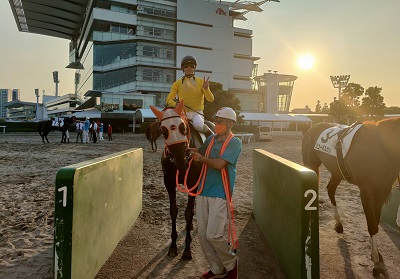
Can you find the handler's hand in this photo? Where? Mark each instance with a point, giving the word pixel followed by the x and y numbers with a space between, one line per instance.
pixel 196 156
pixel 205 82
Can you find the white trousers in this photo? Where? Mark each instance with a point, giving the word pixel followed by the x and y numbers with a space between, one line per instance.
pixel 197 120
pixel 212 221
pixel 85 136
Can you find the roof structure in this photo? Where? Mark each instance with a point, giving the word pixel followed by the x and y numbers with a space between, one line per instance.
pixel 144 113
pixel 239 8
pixel 270 117
pixel 55 18
pixel 18 104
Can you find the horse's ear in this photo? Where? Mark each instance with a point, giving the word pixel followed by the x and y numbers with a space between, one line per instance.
pixel 156 112
pixel 179 108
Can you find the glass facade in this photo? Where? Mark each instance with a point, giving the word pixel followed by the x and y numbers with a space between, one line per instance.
pixel 107 80
pixel 108 54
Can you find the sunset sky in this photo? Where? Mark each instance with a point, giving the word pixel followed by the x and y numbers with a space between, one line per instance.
pixel 357 38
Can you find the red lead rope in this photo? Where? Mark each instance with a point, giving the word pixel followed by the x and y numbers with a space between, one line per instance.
pixel 232 236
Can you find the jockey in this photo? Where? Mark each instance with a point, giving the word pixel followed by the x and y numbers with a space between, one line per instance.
pixel 192 90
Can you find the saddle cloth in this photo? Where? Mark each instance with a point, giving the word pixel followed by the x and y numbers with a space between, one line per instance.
pixel 328 139
pixel 56 123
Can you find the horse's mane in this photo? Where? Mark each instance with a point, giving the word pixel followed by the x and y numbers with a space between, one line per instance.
pixel 383 122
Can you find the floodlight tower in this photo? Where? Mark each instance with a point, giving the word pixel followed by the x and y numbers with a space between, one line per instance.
pixel 56 81
pixel 340 82
pixel 37 103
pixel 77 80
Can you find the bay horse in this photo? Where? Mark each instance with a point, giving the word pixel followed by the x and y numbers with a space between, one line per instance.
pixel 45 127
pixel 179 135
pixel 153 132
pixel 373 163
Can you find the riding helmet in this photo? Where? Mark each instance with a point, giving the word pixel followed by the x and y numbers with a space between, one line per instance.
pixel 188 60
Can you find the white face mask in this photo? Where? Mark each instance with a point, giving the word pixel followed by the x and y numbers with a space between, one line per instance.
pixel 173 127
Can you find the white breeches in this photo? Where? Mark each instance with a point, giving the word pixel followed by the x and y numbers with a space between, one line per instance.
pixel 197 120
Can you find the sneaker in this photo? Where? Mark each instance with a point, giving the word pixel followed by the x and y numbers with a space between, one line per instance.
pixel 233 274
pixel 210 275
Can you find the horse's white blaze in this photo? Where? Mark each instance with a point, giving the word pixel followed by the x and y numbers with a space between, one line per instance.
pixel 374 249
pixel 336 214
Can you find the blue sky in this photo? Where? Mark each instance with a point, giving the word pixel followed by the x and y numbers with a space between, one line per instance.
pixel 357 38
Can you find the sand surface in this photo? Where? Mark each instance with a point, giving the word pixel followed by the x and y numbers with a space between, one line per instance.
pixel 27 183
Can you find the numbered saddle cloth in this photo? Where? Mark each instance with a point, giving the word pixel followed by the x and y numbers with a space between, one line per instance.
pixel 58 123
pixel 327 141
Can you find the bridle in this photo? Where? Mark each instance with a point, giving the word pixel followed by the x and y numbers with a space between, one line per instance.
pixel 175 129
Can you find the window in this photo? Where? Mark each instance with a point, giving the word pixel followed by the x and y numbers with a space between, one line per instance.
pixel 151 75
pixel 151 51
pixel 132 104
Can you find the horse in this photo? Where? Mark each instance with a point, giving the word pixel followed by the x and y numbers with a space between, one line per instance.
pixel 45 127
pixel 372 163
pixel 153 132
pixel 179 136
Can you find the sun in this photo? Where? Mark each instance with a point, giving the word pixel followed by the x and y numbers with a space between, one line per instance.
pixel 305 61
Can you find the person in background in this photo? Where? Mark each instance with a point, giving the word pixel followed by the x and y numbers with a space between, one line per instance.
pixel 192 90
pixel 94 131
pixel 79 130
pixel 109 132
pixel 86 130
pixel 214 207
pixel 101 130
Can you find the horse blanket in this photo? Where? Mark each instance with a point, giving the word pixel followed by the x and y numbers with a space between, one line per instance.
pixel 328 139
pixel 57 123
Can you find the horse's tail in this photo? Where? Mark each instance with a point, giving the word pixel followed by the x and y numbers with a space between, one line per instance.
pixel 309 154
pixel 148 133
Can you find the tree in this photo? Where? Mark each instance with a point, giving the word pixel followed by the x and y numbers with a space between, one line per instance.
pixel 351 94
pixel 318 107
pixel 325 108
pixel 373 105
pixel 350 98
pixel 222 98
pixel 338 110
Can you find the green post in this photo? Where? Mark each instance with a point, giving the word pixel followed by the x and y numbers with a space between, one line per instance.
pixel 63 213
pixel 285 205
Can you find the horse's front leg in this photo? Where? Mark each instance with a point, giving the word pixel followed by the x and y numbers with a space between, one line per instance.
pixel 189 213
pixel 173 210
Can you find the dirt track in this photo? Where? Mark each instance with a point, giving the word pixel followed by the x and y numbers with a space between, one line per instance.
pixel 26 216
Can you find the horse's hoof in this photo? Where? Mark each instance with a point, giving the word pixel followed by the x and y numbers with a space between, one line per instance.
pixel 172 252
pixel 339 228
pixel 187 256
pixel 377 271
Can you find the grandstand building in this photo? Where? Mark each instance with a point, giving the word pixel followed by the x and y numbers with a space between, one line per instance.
pixel 127 53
